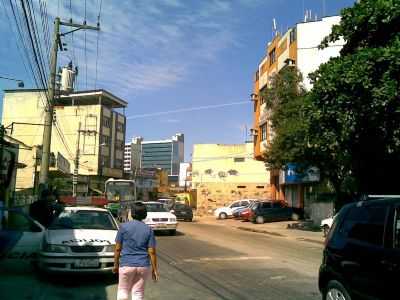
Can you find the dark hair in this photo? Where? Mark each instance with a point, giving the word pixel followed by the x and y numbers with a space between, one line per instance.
pixel 138 211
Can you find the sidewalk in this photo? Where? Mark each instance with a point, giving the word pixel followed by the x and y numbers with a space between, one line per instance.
pixel 277 229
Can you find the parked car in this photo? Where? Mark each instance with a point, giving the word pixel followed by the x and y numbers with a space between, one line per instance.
pixel 246 213
pixel 326 224
pixel 361 259
pixel 227 211
pixel 269 211
pixel 182 212
pixel 159 218
pixel 237 212
pixel 80 239
pixel 20 240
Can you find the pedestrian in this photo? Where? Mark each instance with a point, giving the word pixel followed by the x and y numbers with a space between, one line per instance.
pixel 135 252
pixel 42 210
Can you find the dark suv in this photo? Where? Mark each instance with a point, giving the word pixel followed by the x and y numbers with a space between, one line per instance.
pixel 362 254
pixel 268 211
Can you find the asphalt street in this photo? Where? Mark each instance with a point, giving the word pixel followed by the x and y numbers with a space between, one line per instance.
pixel 204 261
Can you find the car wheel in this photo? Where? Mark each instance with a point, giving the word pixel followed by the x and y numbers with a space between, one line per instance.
pixel 172 232
pixel 336 291
pixel 260 220
pixel 325 229
pixel 295 217
pixel 223 216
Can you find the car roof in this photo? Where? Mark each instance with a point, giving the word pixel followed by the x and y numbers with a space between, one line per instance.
pixel 70 208
pixel 380 200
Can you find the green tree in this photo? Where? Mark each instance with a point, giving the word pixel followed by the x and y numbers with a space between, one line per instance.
pixel 285 102
pixel 354 106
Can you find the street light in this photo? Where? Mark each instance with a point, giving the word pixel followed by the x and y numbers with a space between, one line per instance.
pixel 20 83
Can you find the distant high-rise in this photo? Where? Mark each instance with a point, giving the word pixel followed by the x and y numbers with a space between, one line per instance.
pixel 164 154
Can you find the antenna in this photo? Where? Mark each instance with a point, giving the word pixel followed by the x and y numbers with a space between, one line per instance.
pixel 274 26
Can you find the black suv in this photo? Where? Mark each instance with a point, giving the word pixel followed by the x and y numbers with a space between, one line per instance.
pixel 362 254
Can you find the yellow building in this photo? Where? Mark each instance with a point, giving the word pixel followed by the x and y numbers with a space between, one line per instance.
pixel 101 134
pixel 223 173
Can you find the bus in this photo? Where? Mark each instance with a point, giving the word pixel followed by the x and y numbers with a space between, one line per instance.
pixel 120 195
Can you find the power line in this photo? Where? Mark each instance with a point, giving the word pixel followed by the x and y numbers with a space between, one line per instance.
pixel 186 110
pixel 97 43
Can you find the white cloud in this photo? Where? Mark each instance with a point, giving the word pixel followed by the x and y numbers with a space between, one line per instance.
pixel 146 45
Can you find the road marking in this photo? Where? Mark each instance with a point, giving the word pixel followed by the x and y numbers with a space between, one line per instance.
pixel 279 277
pixel 232 258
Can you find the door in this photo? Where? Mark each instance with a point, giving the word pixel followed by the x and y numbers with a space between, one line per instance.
pixel 266 210
pixel 391 260
pixel 20 241
pixel 363 230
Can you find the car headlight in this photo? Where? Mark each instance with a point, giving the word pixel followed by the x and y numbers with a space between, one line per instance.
pixel 55 248
pixel 172 219
pixel 109 248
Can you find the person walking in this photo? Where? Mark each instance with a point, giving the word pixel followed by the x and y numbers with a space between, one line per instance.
pixel 135 252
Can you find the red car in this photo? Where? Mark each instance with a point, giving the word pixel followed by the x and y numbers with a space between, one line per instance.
pixel 245 214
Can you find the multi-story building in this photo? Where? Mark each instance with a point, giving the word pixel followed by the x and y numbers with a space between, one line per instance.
pixel 223 173
pixel 88 116
pixel 299 47
pixel 164 154
pixel 185 175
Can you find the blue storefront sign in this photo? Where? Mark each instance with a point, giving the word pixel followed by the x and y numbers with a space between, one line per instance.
pixel 293 176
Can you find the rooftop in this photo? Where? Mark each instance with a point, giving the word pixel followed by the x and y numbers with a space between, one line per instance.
pixel 89 97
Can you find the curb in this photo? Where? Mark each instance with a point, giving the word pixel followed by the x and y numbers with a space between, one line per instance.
pixel 279 235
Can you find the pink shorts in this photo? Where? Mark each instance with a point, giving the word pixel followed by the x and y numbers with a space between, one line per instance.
pixel 132 280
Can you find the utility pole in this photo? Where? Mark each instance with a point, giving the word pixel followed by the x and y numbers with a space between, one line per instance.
pixel 57 44
pixel 76 162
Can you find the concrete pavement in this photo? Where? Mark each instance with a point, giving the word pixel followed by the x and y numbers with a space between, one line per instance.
pixel 204 261
pixel 278 229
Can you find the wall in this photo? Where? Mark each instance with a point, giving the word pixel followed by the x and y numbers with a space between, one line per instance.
pixel 252 178
pixel 309 37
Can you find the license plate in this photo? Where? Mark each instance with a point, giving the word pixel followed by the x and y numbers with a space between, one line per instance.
pixel 161 226
pixel 87 263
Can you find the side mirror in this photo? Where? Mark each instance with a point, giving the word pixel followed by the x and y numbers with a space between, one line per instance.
pixel 172 211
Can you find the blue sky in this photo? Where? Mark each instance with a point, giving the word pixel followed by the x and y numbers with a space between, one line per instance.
pixel 163 55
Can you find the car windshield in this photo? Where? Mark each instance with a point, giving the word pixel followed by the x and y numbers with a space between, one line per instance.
pixel 180 206
pixel 84 219
pixel 156 207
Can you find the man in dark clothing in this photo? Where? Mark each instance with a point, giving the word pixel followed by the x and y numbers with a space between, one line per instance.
pixel 42 209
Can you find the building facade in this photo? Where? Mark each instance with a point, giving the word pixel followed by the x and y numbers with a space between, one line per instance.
pixel 298 47
pixel 223 173
pixel 90 117
pixel 164 154
pixel 185 176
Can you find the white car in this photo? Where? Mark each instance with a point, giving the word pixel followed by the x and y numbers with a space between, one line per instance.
pixel 227 211
pixel 81 239
pixel 159 218
pixel 326 224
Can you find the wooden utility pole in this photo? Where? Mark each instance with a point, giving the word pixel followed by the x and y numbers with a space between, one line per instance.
pixel 48 121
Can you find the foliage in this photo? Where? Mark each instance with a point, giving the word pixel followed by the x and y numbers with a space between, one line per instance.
pixel 285 102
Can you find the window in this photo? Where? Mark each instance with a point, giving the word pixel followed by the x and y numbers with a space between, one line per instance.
pixel 106 122
pixel 105 161
pixel 120 127
pixel 105 140
pixel 264 132
pixel 241 186
pixel 244 203
pixel 235 204
pixel 397 229
pixel 118 163
pixel 266 205
pixel 260 186
pixel 365 224
pixel 277 205
pixel 239 159
pixel 19 222
pixel 272 57
pixel 292 37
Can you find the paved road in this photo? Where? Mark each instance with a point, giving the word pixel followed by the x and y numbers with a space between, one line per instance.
pixel 202 262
